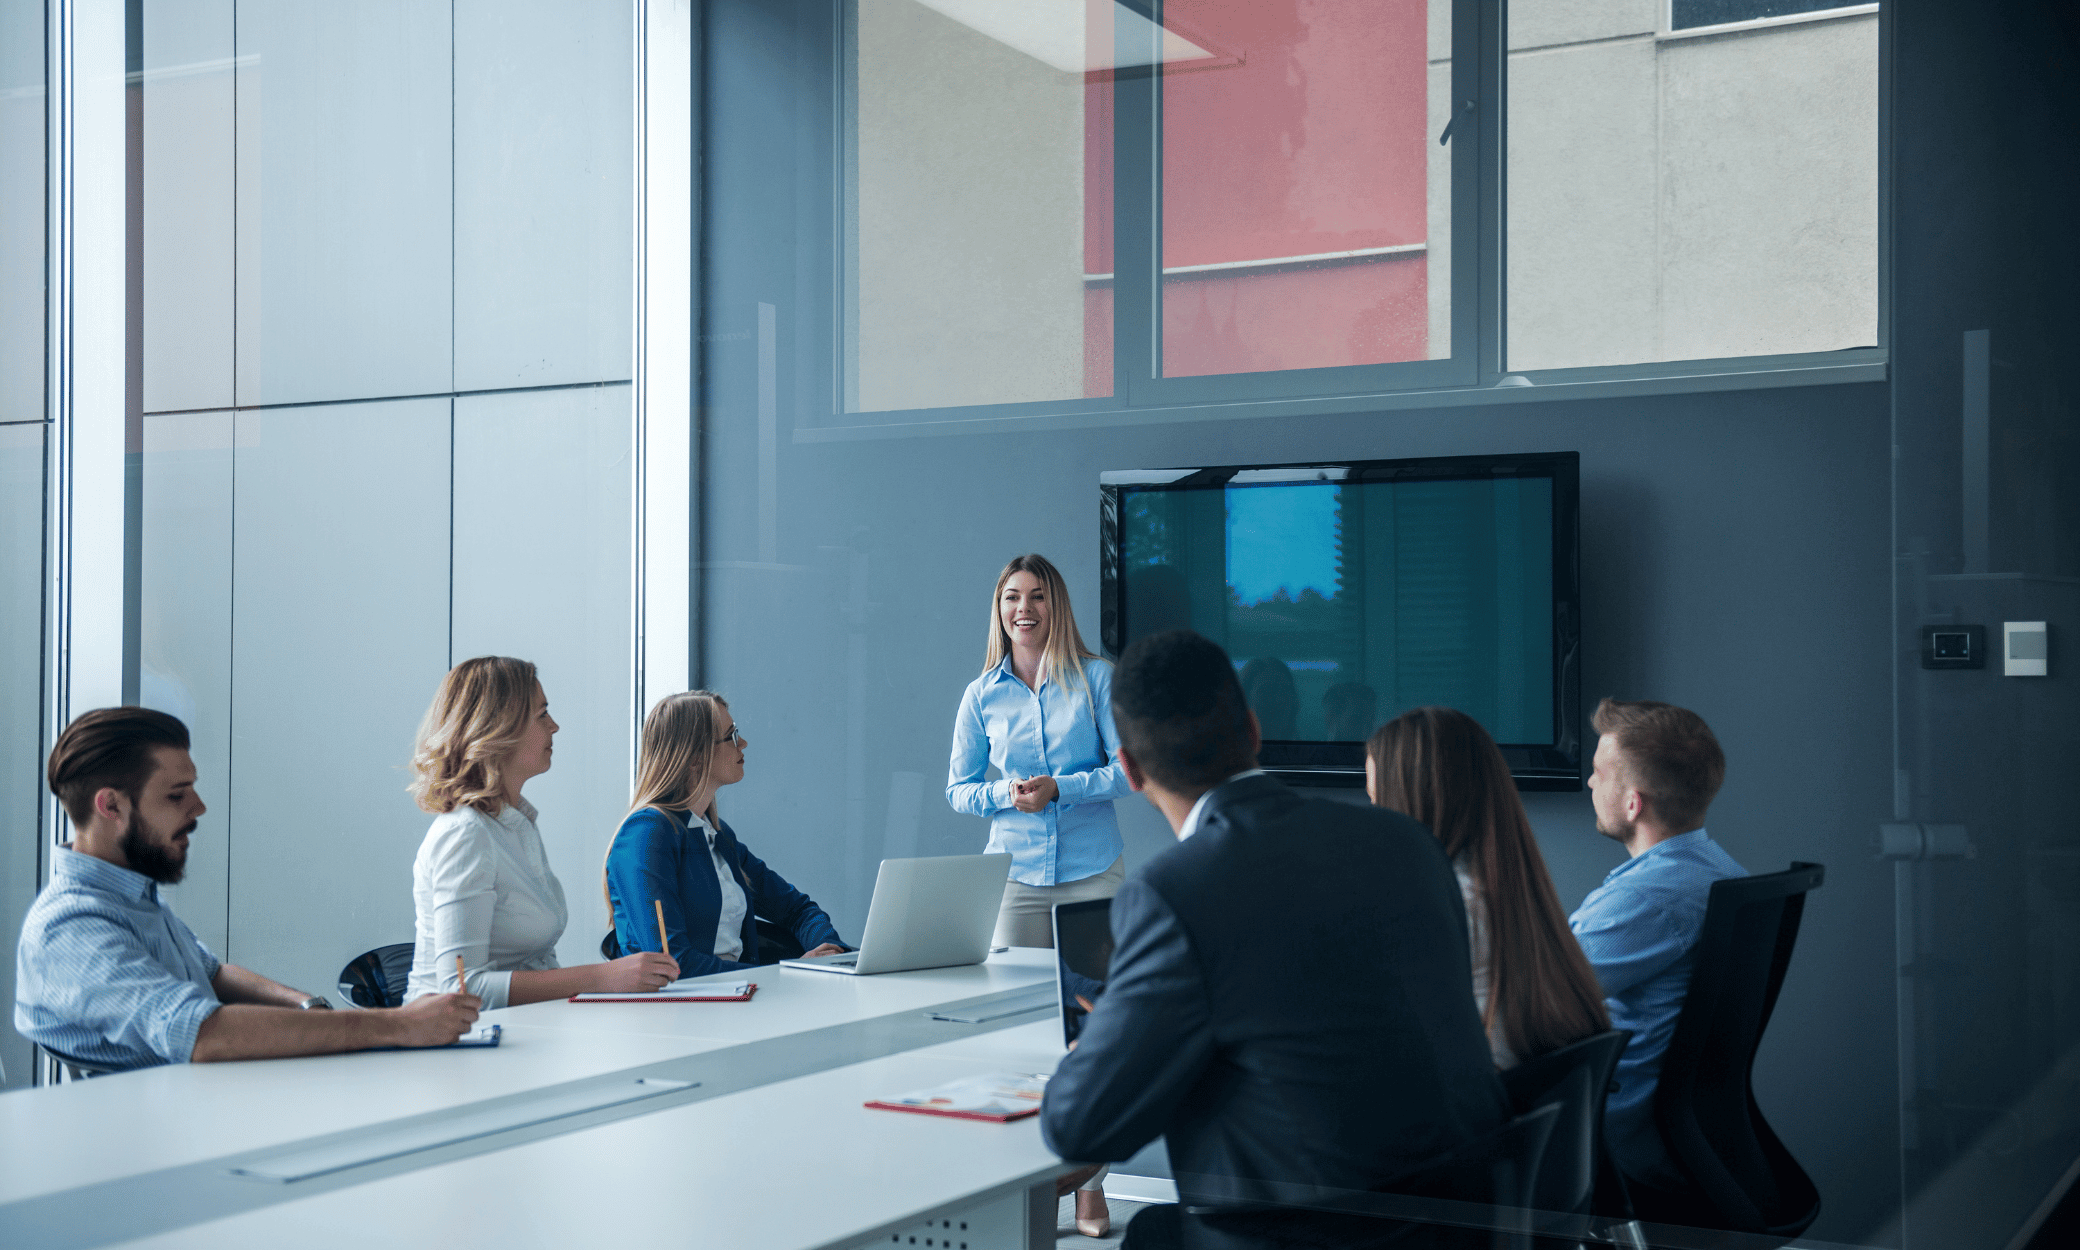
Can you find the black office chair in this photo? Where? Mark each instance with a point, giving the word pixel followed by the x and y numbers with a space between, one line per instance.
pixel 64 1068
pixel 377 978
pixel 1477 1196
pixel 1741 1178
pixel 1575 1175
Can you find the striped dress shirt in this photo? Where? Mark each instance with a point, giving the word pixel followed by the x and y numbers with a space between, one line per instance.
pixel 105 972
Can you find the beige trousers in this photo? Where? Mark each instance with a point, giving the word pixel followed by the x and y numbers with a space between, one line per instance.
pixel 1027 916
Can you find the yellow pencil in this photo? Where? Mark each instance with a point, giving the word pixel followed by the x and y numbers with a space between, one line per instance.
pixel 663 943
pixel 461 984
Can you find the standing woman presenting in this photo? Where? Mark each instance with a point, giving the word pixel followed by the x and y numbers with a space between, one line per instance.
pixel 1041 713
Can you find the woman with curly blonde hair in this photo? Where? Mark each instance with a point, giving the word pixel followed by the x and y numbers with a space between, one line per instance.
pixel 481 885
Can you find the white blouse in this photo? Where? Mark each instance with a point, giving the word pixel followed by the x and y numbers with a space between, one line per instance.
pixel 483 890
pixel 1477 938
pixel 729 922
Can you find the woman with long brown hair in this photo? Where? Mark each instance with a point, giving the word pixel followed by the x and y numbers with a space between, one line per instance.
pixel 673 851
pixel 1533 985
pixel 489 908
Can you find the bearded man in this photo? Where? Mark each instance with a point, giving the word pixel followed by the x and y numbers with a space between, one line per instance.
pixel 108 978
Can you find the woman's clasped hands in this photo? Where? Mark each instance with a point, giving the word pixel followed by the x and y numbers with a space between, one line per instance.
pixel 1032 794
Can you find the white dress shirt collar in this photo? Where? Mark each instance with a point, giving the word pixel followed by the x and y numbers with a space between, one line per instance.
pixel 1191 820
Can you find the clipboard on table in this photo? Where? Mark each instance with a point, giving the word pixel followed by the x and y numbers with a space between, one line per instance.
pixel 476 1039
pixel 998 1097
pixel 679 992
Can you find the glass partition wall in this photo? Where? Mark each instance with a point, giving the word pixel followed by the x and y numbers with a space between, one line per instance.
pixel 958 260
pixel 904 385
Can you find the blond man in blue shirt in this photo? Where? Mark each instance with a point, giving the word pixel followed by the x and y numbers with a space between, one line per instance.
pixel 1657 768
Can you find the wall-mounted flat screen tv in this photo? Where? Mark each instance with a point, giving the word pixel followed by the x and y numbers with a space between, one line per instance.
pixel 1347 593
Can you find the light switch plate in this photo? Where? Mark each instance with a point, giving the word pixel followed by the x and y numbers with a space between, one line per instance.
pixel 2026 648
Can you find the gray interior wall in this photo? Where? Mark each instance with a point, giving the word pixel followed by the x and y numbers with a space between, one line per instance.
pixel 1734 562
pixel 21 722
pixel 343 206
pixel 21 483
pixel 21 210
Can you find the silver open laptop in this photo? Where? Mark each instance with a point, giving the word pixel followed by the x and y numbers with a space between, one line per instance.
pixel 927 913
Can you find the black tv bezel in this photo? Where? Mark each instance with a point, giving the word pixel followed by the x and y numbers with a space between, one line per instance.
pixel 1554 766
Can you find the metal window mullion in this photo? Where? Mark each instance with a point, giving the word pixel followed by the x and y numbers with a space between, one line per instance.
pixel 1480 72
pixel 1137 207
pixel 86 308
pixel 665 465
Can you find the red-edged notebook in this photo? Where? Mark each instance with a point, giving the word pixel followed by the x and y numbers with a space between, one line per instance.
pixel 995 1096
pixel 681 992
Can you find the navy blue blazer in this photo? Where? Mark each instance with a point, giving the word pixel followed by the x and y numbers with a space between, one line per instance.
pixel 658 857
pixel 1287 1002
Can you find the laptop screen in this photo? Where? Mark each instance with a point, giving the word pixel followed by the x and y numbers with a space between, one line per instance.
pixel 1083 957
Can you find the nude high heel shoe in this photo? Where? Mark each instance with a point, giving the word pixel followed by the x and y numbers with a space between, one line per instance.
pixel 1093 1216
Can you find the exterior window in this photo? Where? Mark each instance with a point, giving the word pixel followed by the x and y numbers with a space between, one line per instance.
pixel 1686 14
pixel 1689 199
pixel 978 201
pixel 1297 200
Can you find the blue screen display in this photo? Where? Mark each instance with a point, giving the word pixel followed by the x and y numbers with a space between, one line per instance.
pixel 1344 605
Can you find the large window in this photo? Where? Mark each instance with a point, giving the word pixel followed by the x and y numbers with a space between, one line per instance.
pixel 1102 205
pixel 1096 203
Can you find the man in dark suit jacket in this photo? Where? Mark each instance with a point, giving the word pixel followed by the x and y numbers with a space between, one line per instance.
pixel 1287 998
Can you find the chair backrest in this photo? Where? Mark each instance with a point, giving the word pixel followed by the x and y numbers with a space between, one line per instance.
pixel 377 978
pixel 1575 1078
pixel 1705 1104
pixel 1484 1189
pixel 65 1068
pixel 1500 1167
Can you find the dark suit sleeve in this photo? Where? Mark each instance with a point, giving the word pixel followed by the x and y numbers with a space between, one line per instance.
pixel 1148 1043
pixel 774 899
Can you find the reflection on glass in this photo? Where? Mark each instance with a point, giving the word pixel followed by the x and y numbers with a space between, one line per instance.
pixel 1345 604
pixel 979 203
pixel 1298 196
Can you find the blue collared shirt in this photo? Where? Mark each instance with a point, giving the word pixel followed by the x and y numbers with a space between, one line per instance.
pixel 1061 730
pixel 1640 930
pixel 106 973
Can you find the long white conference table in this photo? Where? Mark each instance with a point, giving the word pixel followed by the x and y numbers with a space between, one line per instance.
pixel 645 1125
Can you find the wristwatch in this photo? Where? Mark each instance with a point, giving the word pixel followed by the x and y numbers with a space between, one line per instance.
pixel 315 1002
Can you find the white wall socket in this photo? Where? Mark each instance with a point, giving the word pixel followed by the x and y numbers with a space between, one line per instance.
pixel 2025 648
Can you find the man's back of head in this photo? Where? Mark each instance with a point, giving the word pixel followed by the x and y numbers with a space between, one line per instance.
pixel 1666 753
pixel 1181 713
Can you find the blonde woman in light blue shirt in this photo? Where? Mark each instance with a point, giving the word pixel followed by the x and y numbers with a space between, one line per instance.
pixel 1041 715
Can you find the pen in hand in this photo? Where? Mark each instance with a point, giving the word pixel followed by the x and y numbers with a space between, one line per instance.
pixel 663 943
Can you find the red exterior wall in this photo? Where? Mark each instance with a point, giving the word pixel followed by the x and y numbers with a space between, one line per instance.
pixel 1305 136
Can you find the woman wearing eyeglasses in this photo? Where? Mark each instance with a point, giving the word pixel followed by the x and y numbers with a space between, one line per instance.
pixel 674 850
